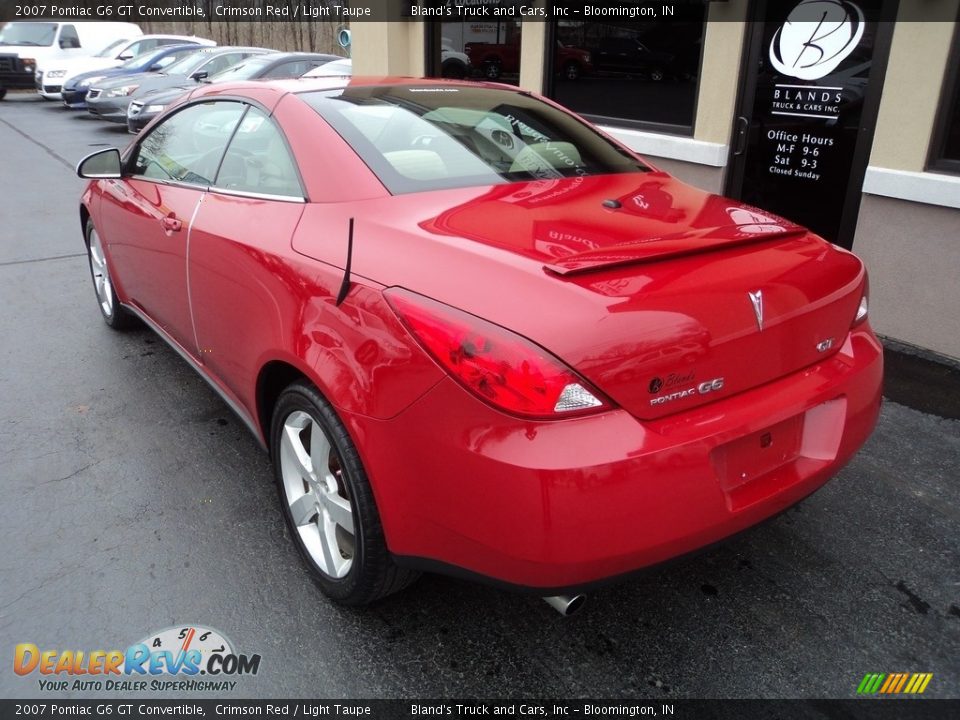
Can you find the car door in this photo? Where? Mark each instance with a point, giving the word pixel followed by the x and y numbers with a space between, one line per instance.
pixel 147 214
pixel 240 269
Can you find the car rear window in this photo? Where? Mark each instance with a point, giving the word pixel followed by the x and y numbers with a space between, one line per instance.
pixel 419 138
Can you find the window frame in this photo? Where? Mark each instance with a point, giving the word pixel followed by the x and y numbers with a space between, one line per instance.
pixel 134 150
pixel 72 34
pixel 550 81
pixel 947 108
pixel 268 117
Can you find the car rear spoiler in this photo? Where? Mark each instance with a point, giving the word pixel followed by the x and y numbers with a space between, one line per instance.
pixel 670 246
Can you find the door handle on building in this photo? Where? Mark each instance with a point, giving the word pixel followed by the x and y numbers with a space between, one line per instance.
pixel 740 141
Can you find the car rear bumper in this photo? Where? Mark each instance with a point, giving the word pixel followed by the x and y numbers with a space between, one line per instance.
pixel 555 506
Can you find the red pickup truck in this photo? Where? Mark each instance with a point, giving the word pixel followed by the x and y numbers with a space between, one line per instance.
pixel 495 59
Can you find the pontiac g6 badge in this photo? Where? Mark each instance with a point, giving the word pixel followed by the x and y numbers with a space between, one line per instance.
pixel 702 389
pixel 756 299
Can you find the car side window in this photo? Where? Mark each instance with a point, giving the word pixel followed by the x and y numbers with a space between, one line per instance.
pixel 290 69
pixel 69 37
pixel 220 62
pixel 187 147
pixel 164 61
pixel 258 161
pixel 134 50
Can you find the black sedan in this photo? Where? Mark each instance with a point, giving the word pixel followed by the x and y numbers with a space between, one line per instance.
pixel 273 66
pixel 109 99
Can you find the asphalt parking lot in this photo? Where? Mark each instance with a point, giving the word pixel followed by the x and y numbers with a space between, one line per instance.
pixel 132 501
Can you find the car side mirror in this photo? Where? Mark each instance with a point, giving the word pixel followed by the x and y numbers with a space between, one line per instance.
pixel 125 56
pixel 101 164
pixel 156 66
pixel 200 75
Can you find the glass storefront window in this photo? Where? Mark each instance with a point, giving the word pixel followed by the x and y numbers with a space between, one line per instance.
pixel 945 148
pixel 629 72
pixel 482 50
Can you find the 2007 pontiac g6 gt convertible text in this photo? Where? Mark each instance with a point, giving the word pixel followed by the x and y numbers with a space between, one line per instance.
pixel 476 335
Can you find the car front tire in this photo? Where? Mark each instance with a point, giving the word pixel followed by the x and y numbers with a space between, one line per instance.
pixel 114 314
pixel 571 71
pixel 327 501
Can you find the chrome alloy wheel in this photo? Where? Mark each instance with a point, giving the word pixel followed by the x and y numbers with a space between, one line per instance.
pixel 318 497
pixel 101 274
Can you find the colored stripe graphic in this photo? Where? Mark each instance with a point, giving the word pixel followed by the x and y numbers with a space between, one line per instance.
pixel 894 683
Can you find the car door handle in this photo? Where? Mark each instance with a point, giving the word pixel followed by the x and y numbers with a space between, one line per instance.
pixel 171 224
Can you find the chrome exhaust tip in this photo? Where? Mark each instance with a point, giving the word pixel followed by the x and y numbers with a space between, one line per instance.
pixel 566 605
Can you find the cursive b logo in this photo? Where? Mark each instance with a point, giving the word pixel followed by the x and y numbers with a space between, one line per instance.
pixel 817 36
pixel 655 385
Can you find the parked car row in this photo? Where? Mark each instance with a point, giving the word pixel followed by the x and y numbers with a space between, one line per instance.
pixel 144 106
pixel 26 47
pixel 50 77
pixel 74 90
pixel 133 77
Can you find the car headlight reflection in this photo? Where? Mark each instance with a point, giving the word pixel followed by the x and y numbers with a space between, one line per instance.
pixel 121 91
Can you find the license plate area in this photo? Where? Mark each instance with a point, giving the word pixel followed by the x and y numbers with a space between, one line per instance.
pixel 749 457
pixel 756 466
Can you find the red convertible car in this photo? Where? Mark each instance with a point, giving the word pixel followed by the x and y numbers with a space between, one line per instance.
pixel 476 335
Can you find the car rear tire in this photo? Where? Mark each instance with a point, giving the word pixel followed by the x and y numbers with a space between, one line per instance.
pixel 114 314
pixel 327 501
pixel 492 70
pixel 3 93
pixel 454 69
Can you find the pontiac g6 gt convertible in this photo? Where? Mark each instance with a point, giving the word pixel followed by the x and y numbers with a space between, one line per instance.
pixel 476 335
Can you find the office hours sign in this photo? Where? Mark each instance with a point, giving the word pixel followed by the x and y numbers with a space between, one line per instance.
pixel 807 112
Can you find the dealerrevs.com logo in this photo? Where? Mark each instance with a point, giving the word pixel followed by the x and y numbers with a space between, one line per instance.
pixel 179 659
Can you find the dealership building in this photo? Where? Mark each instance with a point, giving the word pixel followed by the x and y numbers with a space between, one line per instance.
pixel 852 128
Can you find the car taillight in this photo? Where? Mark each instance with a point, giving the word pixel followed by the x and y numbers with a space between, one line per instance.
pixel 863 308
pixel 500 367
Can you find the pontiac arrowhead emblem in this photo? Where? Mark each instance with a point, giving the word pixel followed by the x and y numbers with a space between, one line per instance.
pixel 756 299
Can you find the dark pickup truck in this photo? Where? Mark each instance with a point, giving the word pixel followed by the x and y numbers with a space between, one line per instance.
pixel 632 57
pixel 14 73
pixel 496 59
